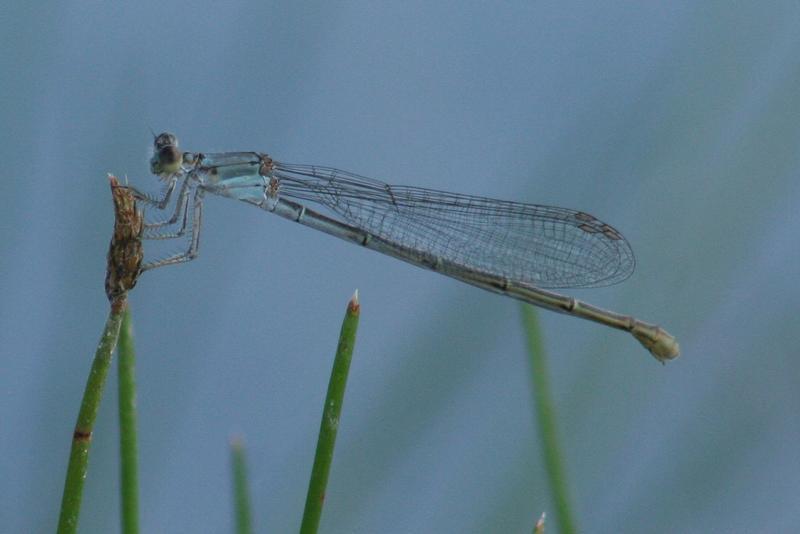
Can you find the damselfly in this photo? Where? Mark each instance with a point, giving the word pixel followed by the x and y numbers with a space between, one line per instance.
pixel 515 249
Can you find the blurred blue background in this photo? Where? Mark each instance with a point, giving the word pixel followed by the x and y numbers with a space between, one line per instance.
pixel 676 122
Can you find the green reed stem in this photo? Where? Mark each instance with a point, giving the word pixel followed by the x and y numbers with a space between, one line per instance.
pixel 330 419
pixel 128 449
pixel 82 436
pixel 546 419
pixel 241 495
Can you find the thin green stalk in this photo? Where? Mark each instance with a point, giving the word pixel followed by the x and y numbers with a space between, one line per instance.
pixel 241 497
pixel 330 419
pixel 129 462
pixel 546 418
pixel 82 437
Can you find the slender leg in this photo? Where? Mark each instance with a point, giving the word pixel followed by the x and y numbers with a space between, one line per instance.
pixel 159 203
pixel 194 230
pixel 180 206
pixel 181 210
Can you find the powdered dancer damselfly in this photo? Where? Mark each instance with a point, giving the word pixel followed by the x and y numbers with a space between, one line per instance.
pixel 515 249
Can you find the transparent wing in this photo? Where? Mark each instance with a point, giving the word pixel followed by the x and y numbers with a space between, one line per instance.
pixel 544 246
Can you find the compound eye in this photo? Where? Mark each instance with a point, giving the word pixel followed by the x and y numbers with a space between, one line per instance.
pixel 164 140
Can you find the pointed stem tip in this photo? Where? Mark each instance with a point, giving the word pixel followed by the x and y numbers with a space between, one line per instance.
pixel 353 306
pixel 539 527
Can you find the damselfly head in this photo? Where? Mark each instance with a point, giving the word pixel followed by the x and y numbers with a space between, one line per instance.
pixel 167 157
